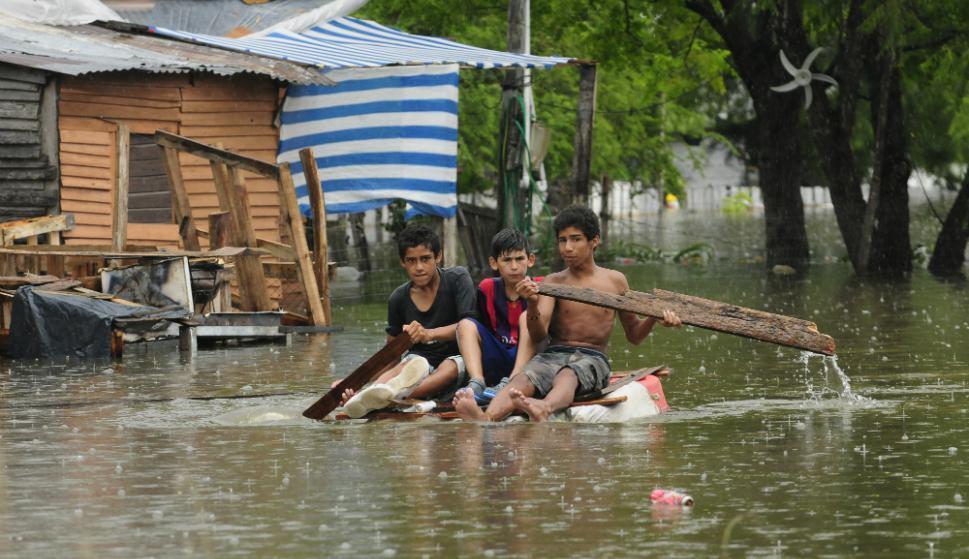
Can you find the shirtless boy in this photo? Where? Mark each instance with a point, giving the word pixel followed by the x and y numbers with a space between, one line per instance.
pixel 428 307
pixel 493 344
pixel 574 363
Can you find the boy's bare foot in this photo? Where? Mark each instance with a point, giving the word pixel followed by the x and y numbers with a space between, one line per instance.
pixel 537 410
pixel 466 406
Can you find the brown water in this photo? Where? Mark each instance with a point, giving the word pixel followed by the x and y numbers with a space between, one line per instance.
pixel 781 456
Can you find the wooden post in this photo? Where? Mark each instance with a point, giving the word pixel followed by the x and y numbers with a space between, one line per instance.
pixel 181 207
pixel 450 241
pixel 220 227
pixel 252 280
pixel 585 115
pixel 304 265
pixel 320 244
pixel 119 207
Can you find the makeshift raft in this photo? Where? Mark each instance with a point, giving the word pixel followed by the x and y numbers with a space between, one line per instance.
pixel 629 396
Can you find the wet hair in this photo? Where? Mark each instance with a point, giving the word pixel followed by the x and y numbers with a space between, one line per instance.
pixel 580 217
pixel 415 235
pixel 508 240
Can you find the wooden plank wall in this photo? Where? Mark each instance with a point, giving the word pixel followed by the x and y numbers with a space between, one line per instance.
pixel 27 176
pixel 236 112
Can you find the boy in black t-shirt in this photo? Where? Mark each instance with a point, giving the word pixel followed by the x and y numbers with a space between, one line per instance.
pixel 428 307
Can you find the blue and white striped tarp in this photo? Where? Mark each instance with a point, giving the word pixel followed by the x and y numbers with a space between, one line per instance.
pixel 389 128
pixel 348 42
pixel 378 135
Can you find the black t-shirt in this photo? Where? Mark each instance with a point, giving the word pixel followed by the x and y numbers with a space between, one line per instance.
pixel 455 299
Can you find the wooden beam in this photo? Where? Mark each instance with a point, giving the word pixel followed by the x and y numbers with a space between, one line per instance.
pixel 181 206
pixel 119 207
pixel 205 151
pixel 712 315
pixel 219 225
pixel 320 243
pixel 289 207
pixel 10 231
pixel 272 248
pixel 252 281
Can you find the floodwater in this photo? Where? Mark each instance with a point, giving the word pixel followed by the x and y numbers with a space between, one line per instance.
pixel 784 454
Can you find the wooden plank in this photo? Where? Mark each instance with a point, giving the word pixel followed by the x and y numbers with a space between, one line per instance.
pixel 79 136
pixel 289 207
pixel 101 219
pixel 85 183
pixel 86 172
pixel 256 90
pixel 87 195
pixel 222 106
pixel 99 110
pixel 219 228
pixel 79 206
pixel 19 109
pixel 252 280
pixel 181 206
pixel 227 119
pixel 11 85
pixel 227 131
pixel 119 206
pixel 102 150
pixel 29 125
pixel 10 231
pixel 84 160
pixel 363 374
pixel 320 243
pixel 20 95
pixel 705 313
pixel 158 234
pixel 214 154
pixel 19 137
pixel 169 94
pixel 18 74
pixel 79 97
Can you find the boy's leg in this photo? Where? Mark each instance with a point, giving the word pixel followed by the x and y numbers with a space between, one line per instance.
pixel 442 378
pixel 469 341
pixel 502 404
pixel 559 397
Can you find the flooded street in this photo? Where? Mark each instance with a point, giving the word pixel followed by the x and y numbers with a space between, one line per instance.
pixel 161 455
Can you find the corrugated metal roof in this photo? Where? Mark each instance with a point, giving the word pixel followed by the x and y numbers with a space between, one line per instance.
pixel 212 17
pixel 86 49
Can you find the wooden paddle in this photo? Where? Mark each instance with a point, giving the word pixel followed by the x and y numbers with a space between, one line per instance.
pixel 722 317
pixel 361 376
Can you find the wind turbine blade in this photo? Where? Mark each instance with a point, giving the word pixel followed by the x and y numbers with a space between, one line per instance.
pixel 789 86
pixel 824 78
pixel 787 64
pixel 810 58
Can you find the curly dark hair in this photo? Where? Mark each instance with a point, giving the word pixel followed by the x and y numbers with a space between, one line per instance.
pixel 580 217
pixel 416 234
pixel 507 240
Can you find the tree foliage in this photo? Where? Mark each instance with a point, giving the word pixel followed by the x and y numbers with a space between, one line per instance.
pixel 661 79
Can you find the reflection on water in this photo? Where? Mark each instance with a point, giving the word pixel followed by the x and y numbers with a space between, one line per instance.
pixel 785 455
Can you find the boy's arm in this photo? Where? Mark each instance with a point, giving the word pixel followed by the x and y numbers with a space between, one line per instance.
pixel 465 301
pixel 538 316
pixel 637 328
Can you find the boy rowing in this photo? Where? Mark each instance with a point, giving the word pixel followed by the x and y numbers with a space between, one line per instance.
pixel 493 344
pixel 428 307
pixel 574 363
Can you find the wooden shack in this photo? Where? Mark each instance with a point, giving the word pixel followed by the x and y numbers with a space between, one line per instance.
pixel 235 112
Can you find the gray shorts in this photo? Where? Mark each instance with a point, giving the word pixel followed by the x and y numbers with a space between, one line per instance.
pixel 591 368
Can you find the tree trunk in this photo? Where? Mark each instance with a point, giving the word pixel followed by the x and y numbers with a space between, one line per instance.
pixel 779 163
pixel 891 248
pixel 950 246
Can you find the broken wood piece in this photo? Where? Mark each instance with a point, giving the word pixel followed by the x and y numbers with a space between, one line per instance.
pixel 289 207
pixel 119 205
pixel 205 151
pixel 320 242
pixel 363 374
pixel 705 313
pixel 10 231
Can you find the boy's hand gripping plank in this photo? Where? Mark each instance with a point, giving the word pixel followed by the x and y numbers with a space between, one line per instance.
pixel 389 354
pixel 741 321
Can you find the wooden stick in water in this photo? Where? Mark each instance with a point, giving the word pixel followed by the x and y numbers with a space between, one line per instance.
pixel 361 376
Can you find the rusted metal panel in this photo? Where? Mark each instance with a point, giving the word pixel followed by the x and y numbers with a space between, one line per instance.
pixel 86 49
